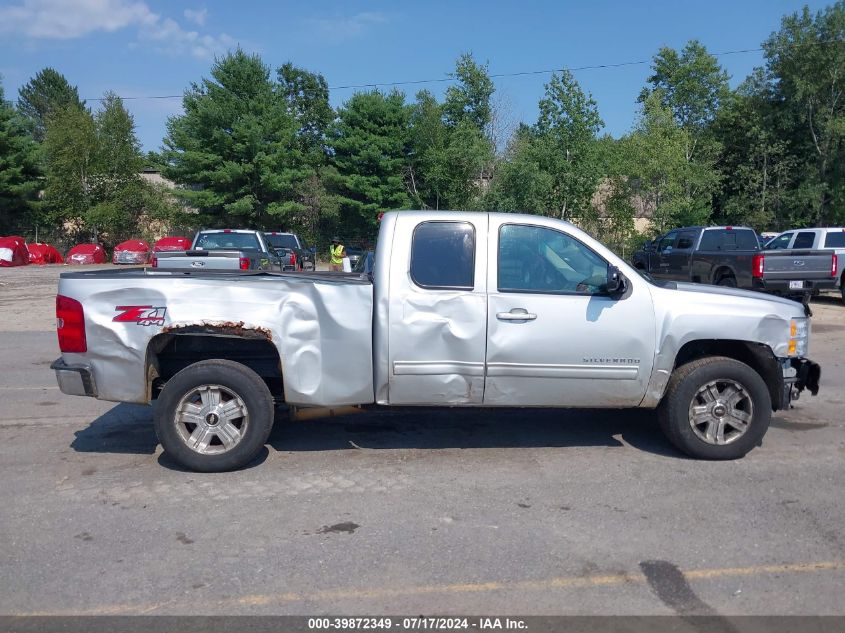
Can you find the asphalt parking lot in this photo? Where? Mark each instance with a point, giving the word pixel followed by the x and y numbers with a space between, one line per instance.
pixel 470 512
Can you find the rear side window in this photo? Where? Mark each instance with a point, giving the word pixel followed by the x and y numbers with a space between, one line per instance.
pixel 835 240
pixel 729 240
pixel 804 239
pixel 443 255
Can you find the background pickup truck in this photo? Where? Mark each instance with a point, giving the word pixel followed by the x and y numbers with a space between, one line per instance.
pixel 731 256
pixel 293 252
pixel 464 309
pixel 222 249
pixel 825 239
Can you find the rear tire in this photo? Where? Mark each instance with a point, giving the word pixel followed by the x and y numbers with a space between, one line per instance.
pixel 214 416
pixel 715 408
pixel 728 281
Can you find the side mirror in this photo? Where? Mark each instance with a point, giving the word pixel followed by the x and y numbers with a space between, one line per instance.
pixel 648 246
pixel 312 250
pixel 616 282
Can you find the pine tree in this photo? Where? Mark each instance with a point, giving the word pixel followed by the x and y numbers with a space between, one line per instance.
pixel 19 172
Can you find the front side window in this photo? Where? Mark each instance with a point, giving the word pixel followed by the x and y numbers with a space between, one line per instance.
pixel 685 241
pixel 543 260
pixel 443 255
pixel 666 241
pixel 780 242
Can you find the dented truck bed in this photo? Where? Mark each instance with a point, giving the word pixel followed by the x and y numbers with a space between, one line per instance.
pixel 319 323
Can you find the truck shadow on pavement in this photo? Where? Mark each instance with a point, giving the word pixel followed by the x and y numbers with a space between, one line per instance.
pixel 475 428
pixel 128 428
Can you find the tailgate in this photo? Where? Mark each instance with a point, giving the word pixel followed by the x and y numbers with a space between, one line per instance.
pixel 797 265
pixel 201 260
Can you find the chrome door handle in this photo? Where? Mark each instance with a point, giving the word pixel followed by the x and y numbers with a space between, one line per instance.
pixel 517 314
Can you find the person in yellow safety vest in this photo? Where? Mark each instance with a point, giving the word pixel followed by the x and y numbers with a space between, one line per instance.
pixel 337 252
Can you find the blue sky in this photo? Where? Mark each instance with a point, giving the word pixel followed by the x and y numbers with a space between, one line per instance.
pixel 151 47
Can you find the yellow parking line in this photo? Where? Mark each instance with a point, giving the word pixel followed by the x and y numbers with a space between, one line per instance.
pixel 551 583
pixel 566 582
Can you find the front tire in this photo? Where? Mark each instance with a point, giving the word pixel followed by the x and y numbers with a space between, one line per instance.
pixel 214 416
pixel 715 408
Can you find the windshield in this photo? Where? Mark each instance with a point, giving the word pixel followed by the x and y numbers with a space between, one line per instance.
pixel 282 240
pixel 218 240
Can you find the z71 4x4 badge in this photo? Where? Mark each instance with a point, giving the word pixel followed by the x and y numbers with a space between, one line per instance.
pixel 142 315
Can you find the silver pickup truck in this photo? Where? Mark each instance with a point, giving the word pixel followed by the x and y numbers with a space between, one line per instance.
pixel 464 309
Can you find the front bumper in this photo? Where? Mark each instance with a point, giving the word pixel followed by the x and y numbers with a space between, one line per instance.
pixel 74 380
pixel 798 374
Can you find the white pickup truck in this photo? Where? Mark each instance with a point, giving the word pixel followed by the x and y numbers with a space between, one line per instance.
pixel 463 309
pixel 822 239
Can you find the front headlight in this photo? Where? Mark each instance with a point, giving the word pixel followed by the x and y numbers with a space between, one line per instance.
pixel 799 337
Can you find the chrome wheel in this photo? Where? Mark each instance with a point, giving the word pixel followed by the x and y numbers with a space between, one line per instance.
pixel 721 412
pixel 211 419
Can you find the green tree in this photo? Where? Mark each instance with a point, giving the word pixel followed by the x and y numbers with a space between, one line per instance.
pixel 307 97
pixel 691 86
pixel 369 139
pixel 44 94
pixel 118 195
pixel 675 190
pixel 691 83
pixel 19 172
pixel 236 147
pixel 427 173
pixel 521 184
pixel 760 163
pixel 469 99
pixel 451 152
pixel 804 62
pixel 559 154
pixel 70 149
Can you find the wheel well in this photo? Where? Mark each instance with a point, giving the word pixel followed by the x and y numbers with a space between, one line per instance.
pixel 169 353
pixel 759 357
pixel 723 271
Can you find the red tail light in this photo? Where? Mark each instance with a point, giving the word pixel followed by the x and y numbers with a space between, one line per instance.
pixel 293 259
pixel 757 266
pixel 834 266
pixel 70 325
pixel 154 261
pixel 243 262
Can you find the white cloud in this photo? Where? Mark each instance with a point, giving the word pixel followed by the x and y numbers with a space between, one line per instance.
pixel 347 27
pixel 71 19
pixel 197 16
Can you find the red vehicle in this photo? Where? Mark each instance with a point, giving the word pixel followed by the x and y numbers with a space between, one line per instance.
pixel 41 254
pixel 13 251
pixel 131 252
pixel 86 254
pixel 169 244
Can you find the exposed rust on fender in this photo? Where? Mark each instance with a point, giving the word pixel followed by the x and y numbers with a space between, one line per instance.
pixel 221 328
